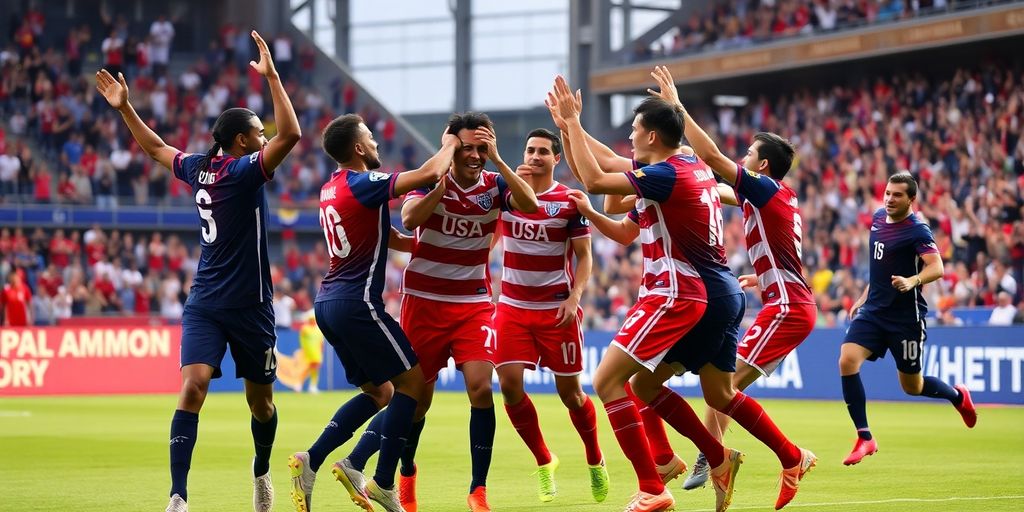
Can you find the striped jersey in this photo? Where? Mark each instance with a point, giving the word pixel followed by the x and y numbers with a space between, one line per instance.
pixel 450 250
pixel 356 225
pixel 234 269
pixel 538 269
pixel 774 234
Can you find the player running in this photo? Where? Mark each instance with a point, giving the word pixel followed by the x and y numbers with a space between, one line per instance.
pixel 539 320
pixel 890 314
pixel 371 346
pixel 229 304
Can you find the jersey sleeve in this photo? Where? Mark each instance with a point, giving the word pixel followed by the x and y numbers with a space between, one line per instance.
pixel 634 216
pixel 579 226
pixel 754 187
pixel 184 166
pixel 417 193
pixel 249 169
pixel 504 194
pixel 373 188
pixel 924 243
pixel 654 182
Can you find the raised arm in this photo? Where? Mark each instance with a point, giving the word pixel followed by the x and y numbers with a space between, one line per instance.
pixel 622 231
pixel 288 132
pixel 417 210
pixel 432 170
pixel 523 197
pixel 607 160
pixel 116 94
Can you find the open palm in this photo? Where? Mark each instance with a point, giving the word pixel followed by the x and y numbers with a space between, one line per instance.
pixel 115 91
pixel 265 66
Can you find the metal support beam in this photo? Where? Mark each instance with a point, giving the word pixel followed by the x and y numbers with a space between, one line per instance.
pixel 462 12
pixel 342 30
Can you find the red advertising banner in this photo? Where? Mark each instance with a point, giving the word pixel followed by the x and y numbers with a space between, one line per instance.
pixel 89 360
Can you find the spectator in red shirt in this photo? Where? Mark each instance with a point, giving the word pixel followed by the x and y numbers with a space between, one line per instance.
pixel 14 302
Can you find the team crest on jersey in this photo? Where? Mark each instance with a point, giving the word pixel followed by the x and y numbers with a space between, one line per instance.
pixel 485 201
pixel 552 209
pixel 379 176
pixel 753 174
pixel 253 157
pixel 639 173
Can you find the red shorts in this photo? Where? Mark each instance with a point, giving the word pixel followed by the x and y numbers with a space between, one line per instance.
pixel 531 337
pixel 776 331
pixel 656 323
pixel 439 330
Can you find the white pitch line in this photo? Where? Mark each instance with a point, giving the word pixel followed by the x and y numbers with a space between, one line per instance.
pixel 15 414
pixel 882 502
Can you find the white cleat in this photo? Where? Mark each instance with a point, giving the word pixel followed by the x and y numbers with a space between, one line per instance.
pixel 303 479
pixel 354 482
pixel 177 504
pixel 388 498
pixel 262 493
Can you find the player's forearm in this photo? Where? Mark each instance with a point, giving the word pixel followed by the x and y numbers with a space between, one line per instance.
pixel 584 266
pixel 706 149
pixel 522 195
pixel 284 113
pixel 613 229
pixel 417 211
pixel 569 159
pixel 931 272
pixel 148 140
pixel 616 204
pixel 429 173
pixel 399 242
pixel 586 164
pixel 607 160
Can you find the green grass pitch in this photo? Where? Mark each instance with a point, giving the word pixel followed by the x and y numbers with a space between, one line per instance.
pixel 110 454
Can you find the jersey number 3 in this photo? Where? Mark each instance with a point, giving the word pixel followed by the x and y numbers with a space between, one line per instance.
pixel 334 232
pixel 210 229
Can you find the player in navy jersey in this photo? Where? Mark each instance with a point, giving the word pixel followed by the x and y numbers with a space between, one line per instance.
pixel 229 304
pixel 889 315
pixel 373 349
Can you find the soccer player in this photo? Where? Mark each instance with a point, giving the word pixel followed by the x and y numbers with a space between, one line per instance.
pixel 229 304
pixel 371 346
pixel 889 315
pixel 538 316
pixel 772 226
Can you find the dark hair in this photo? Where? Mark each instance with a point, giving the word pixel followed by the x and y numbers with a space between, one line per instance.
pixel 905 178
pixel 556 142
pixel 778 151
pixel 230 123
pixel 660 117
pixel 340 137
pixel 468 120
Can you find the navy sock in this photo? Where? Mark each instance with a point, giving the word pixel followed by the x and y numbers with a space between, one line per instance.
pixel 935 388
pixel 350 416
pixel 397 423
pixel 369 442
pixel 263 441
pixel 184 427
pixel 481 442
pixel 408 457
pixel 853 394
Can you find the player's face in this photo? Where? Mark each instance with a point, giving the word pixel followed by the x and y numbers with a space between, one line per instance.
pixel 366 148
pixel 641 139
pixel 469 159
pixel 753 162
pixel 538 154
pixel 255 138
pixel 897 202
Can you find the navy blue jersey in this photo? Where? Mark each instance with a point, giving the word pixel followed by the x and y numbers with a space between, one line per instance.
pixel 234 270
pixel 896 250
pixel 356 224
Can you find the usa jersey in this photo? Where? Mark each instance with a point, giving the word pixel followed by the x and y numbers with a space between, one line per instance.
pixel 356 224
pixel 774 234
pixel 450 250
pixel 538 271
pixel 234 270
pixel 896 250
pixel 681 230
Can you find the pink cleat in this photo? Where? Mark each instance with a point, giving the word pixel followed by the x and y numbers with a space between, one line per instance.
pixel 966 407
pixel 860 450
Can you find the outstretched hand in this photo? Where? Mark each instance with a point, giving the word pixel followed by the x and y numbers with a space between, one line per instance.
pixel 562 100
pixel 115 91
pixel 265 66
pixel 555 115
pixel 666 85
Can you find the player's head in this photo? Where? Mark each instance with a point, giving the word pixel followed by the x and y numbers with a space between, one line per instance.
pixel 237 131
pixel 657 126
pixel 470 158
pixel 769 154
pixel 543 151
pixel 349 142
pixel 900 193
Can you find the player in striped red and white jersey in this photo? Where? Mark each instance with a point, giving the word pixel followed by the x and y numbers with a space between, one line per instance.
pixel 538 317
pixel 447 309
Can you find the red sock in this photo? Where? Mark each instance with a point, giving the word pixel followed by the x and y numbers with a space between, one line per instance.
pixel 657 439
pixel 748 413
pixel 677 412
pixel 524 419
pixel 629 432
pixel 585 420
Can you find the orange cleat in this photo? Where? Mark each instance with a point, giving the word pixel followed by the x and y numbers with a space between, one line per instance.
pixel 407 490
pixel 477 500
pixel 724 479
pixel 791 478
pixel 647 502
pixel 672 470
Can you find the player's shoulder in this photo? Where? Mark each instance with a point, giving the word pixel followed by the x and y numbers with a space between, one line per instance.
pixel 489 179
pixel 879 214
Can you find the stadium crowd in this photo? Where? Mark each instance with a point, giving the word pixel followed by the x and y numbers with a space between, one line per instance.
pixel 960 135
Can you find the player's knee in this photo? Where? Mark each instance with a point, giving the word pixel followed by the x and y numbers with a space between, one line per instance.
pixel 381 395
pixel 262 409
pixel 572 398
pixel 607 387
pixel 480 394
pixel 193 391
pixel 719 399
pixel 912 387
pixel 512 391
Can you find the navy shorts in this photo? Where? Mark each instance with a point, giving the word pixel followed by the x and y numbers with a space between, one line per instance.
pixel 904 339
pixel 370 344
pixel 206 333
pixel 713 340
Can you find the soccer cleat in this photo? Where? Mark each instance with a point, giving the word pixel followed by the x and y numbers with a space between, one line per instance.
pixel 388 498
pixel 791 478
pixel 354 482
pixel 724 479
pixel 647 502
pixel 303 478
pixel 599 481
pixel 262 493
pixel 407 490
pixel 699 476
pixel 546 488
pixel 860 450
pixel 672 470
pixel 477 500
pixel 177 504
pixel 966 407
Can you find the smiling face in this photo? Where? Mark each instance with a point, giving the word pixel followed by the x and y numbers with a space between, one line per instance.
pixel 540 155
pixel 897 201
pixel 470 158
